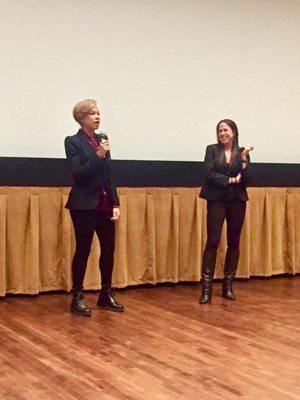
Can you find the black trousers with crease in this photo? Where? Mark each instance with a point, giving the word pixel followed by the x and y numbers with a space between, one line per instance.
pixel 85 223
pixel 234 213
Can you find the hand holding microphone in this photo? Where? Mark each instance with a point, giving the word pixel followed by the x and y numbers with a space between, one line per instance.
pixel 244 152
pixel 104 146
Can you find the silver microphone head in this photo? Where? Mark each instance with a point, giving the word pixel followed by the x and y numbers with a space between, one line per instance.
pixel 103 135
pixel 248 148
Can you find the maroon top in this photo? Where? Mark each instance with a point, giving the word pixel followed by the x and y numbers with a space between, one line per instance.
pixel 104 203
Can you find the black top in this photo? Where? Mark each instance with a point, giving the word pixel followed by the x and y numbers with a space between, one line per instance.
pixel 90 174
pixel 216 186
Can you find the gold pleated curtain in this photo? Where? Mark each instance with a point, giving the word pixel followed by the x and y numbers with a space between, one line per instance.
pixel 160 237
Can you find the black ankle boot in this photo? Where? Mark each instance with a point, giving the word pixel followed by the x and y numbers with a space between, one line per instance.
pixel 208 270
pixel 107 300
pixel 227 290
pixel 231 263
pixel 78 307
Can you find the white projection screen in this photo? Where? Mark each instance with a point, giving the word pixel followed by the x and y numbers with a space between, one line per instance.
pixel 164 72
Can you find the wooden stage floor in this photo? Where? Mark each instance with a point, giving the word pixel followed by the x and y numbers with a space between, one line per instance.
pixel 166 346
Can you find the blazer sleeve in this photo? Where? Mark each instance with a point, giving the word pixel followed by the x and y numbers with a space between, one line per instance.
pixel 246 172
pixel 82 170
pixel 115 197
pixel 114 193
pixel 211 176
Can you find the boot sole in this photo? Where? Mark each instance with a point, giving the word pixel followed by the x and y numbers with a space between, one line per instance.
pixel 107 308
pixel 81 314
pixel 205 302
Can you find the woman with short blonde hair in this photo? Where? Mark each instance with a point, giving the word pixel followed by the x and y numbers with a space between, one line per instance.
pixel 82 109
pixel 93 203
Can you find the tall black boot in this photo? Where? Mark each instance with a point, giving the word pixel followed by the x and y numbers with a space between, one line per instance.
pixel 231 264
pixel 78 307
pixel 108 301
pixel 208 270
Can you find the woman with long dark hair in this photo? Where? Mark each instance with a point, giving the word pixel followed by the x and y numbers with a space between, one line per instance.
pixel 227 174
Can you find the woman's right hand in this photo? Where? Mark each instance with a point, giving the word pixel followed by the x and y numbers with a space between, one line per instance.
pixel 103 148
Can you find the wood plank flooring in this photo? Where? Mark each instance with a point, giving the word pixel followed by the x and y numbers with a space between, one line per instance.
pixel 165 346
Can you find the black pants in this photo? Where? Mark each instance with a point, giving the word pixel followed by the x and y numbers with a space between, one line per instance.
pixel 85 223
pixel 234 213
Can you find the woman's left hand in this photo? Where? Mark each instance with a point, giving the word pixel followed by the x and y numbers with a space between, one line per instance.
pixel 238 178
pixel 245 152
pixel 115 214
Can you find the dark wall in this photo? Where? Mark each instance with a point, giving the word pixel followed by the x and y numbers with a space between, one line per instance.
pixel 15 171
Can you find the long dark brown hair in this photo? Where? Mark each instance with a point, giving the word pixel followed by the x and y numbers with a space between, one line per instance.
pixel 235 155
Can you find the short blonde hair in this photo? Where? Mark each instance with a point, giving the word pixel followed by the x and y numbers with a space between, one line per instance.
pixel 82 109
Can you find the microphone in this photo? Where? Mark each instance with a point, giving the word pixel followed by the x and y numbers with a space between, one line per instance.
pixel 248 148
pixel 103 136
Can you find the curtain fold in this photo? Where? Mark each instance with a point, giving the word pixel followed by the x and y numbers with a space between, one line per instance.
pixel 160 238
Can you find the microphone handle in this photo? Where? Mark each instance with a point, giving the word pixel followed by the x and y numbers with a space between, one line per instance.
pixel 104 136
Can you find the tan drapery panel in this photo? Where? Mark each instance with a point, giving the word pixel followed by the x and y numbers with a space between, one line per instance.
pixel 160 237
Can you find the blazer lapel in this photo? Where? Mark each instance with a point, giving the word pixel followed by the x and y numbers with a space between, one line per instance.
pixel 87 148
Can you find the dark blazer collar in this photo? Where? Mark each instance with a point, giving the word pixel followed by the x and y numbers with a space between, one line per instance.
pixel 84 141
pixel 82 133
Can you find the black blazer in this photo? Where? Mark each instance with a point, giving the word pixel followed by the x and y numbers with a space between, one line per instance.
pixel 217 176
pixel 90 173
